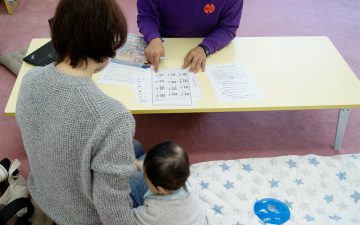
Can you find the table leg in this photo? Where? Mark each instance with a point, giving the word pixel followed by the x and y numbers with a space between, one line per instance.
pixel 341 126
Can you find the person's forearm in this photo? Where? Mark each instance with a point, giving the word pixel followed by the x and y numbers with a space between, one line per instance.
pixel 111 199
pixel 218 40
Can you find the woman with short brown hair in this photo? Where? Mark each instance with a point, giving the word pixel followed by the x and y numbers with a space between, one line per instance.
pixel 78 140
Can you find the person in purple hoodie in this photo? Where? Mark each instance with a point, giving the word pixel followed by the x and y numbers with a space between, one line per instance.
pixel 215 20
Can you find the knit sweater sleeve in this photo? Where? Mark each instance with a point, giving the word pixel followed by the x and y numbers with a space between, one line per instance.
pixel 226 28
pixel 112 165
pixel 148 19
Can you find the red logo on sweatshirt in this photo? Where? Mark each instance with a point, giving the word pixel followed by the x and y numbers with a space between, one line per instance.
pixel 209 8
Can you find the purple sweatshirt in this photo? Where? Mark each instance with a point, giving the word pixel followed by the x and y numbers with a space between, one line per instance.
pixel 216 20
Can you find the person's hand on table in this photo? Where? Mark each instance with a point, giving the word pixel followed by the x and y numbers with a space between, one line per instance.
pixel 154 51
pixel 195 59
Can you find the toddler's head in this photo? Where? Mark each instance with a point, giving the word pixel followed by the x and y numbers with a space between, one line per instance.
pixel 166 168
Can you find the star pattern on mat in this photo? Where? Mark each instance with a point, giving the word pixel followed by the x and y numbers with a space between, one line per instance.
pixel 247 167
pixel 291 163
pixel 356 196
pixel 298 181
pixel 328 198
pixel 204 185
pixel 229 185
pixel 224 167
pixel 309 218
pixel 341 175
pixel 335 217
pixel 313 161
pixel 319 189
pixel 217 209
pixel 273 183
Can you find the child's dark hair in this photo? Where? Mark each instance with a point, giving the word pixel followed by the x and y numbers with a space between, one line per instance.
pixel 167 165
pixel 84 29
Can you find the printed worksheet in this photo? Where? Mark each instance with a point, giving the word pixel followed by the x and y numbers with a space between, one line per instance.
pixel 195 86
pixel 168 87
pixel 232 83
pixel 119 74
pixel 144 89
pixel 171 87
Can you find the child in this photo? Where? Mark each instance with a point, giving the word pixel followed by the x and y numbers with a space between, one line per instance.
pixel 169 199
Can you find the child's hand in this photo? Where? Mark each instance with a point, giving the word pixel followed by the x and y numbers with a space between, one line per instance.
pixel 139 164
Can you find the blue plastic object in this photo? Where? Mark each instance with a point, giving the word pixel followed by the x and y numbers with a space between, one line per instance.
pixel 272 211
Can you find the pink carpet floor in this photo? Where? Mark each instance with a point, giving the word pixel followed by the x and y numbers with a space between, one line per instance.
pixel 213 136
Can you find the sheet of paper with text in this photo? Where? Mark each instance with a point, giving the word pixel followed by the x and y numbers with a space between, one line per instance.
pixel 232 83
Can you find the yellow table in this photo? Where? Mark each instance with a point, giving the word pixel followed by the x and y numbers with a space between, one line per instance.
pixel 293 73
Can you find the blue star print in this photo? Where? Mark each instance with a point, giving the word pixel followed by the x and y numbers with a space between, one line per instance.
pixel 328 198
pixel 289 204
pixel 247 167
pixel 224 167
pixel 313 161
pixel 291 163
pixel 229 185
pixel 309 218
pixel 273 183
pixel 217 209
pixel 356 196
pixel 341 175
pixel 204 185
pixel 298 181
pixel 335 217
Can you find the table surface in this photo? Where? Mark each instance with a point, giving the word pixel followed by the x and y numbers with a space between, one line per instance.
pixel 293 73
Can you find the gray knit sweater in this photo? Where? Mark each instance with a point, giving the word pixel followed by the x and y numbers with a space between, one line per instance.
pixel 79 145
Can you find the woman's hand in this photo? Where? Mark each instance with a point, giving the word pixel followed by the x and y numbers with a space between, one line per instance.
pixel 154 51
pixel 196 59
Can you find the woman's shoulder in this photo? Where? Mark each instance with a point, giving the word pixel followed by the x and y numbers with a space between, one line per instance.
pixel 35 72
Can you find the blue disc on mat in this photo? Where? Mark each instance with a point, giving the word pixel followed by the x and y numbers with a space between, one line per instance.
pixel 272 211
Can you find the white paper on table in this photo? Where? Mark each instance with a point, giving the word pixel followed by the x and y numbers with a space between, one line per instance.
pixel 195 86
pixel 171 87
pixel 232 83
pixel 144 89
pixel 119 74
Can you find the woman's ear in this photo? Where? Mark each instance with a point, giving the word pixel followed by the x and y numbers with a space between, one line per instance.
pixel 162 191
